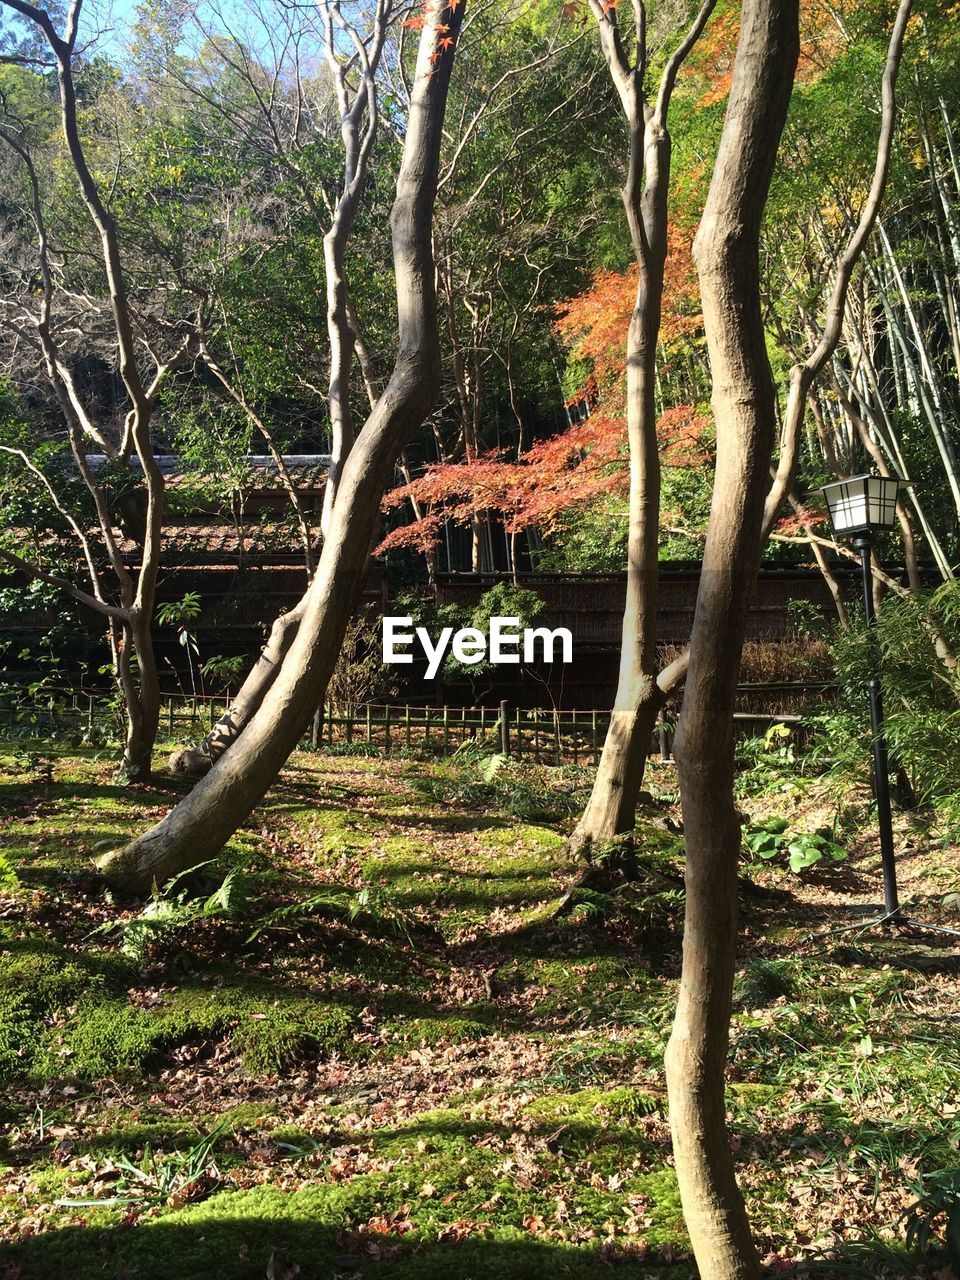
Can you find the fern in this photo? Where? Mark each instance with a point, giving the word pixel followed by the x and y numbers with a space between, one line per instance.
pixel 8 877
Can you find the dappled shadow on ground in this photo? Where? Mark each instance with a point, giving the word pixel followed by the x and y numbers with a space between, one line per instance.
pixel 229 1243
pixel 249 1246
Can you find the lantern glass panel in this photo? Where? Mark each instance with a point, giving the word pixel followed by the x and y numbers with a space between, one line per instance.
pixel 848 504
pixel 861 504
pixel 882 501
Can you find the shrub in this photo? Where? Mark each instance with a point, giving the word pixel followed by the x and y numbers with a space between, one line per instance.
pixel 921 695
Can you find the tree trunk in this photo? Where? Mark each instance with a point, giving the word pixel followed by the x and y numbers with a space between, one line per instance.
pixel 142 695
pixel 727 256
pixel 611 809
pixel 198 760
pixel 340 336
pixel 199 826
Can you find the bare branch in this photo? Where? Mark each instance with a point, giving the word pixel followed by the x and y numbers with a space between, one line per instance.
pixel 67 587
pixel 803 375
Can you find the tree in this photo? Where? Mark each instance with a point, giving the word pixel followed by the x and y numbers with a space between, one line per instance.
pixel 640 693
pixel 743 507
pixel 44 320
pixel 511 217
pixel 198 827
pixel 259 326
pixel 727 254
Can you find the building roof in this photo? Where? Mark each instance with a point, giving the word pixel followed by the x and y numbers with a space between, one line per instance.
pixel 309 471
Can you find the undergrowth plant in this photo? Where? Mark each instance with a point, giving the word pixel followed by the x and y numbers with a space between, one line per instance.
pixel 371 908
pixel 771 838
pixel 921 695
pixel 936 1213
pixel 8 876
pixel 173 909
pixel 171 1179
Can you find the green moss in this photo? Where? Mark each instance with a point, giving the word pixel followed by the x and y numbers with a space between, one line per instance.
pixel 622 1105
pixel 519 837
pixel 239 1235
pixel 38 982
pixel 431 1031
pixel 272 1037
pixel 61 1018
pixel 665 1211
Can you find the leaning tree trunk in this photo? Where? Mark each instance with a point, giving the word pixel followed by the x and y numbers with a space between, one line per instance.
pixel 727 255
pixel 200 825
pixel 198 760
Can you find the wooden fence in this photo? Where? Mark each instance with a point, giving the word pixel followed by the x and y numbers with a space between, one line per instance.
pixel 539 735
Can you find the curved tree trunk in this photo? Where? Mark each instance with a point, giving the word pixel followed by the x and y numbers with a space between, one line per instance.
pixel 727 255
pixel 200 825
pixel 611 809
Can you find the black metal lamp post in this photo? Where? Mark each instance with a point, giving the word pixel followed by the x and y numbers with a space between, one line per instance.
pixel 859 508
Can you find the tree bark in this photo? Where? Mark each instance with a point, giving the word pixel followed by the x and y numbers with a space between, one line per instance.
pixel 200 825
pixel 726 251
pixel 344 47
pixel 198 760
pixel 611 809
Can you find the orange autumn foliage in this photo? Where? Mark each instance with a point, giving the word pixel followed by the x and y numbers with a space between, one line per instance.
pixel 594 324
pixel 587 461
pixel 821 38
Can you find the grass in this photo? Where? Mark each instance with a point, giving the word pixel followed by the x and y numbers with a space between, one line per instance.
pixel 386 1056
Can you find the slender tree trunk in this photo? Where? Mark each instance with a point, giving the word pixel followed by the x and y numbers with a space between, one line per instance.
pixel 200 825
pixel 340 335
pixel 727 255
pixel 345 46
pixel 611 809
pixel 198 760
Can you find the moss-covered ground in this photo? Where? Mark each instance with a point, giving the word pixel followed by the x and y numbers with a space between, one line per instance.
pixel 362 1043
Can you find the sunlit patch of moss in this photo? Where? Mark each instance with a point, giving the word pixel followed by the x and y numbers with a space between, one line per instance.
pixel 335 833
pixel 486 878
pixel 664 1213
pixel 621 1105
pixel 518 837
pixel 272 1037
pixel 62 1016
pixel 240 1234
pixel 434 1031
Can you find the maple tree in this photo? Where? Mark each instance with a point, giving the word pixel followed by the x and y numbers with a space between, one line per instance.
pixel 553 477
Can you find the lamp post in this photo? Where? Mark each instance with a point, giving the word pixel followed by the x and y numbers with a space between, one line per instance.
pixel 860 507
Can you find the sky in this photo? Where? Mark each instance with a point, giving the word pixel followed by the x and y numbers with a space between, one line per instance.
pixel 108 23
